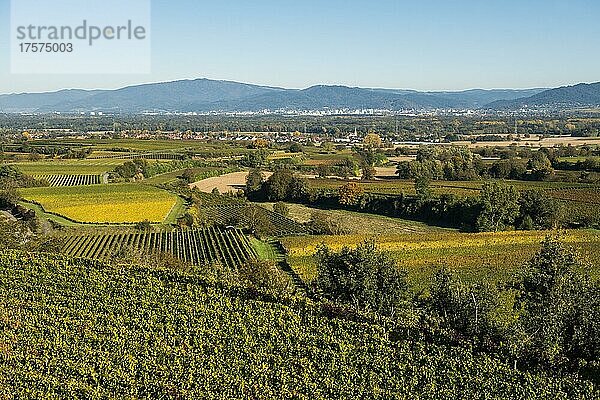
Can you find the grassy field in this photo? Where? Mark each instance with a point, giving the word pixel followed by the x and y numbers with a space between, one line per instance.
pixel 125 203
pixel 172 176
pixel 358 223
pixel 475 257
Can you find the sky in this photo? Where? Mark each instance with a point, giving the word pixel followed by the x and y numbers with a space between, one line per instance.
pixel 423 45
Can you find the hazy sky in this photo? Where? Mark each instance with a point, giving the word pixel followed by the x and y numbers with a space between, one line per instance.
pixel 426 44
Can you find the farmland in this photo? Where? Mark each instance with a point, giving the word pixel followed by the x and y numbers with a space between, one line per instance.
pixel 229 248
pixel 139 332
pixel 458 188
pixel 492 257
pixel 68 167
pixel 70 180
pixel 122 203
pixel 246 214
pixel 176 291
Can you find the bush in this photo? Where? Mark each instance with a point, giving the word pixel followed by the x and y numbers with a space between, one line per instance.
pixel 265 275
pixel 322 223
pixel 365 278
pixel 281 208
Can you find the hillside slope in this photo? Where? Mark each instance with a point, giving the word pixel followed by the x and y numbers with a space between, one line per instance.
pixel 75 329
pixel 581 95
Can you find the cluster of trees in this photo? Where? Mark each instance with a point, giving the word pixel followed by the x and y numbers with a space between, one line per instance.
pixel 587 165
pixel 255 159
pixel 283 185
pixel 12 177
pixel 554 322
pixel 437 163
pixel 132 170
pixel 343 168
pixel 370 156
pixel 498 207
pixel 459 163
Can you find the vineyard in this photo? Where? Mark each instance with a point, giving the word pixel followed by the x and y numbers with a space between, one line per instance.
pixel 121 203
pixel 232 211
pixel 133 156
pixel 70 180
pixel 491 257
pixel 458 188
pixel 242 214
pixel 68 167
pixel 77 329
pixel 209 246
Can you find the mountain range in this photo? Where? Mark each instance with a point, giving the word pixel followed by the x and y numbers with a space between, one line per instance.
pixel 204 95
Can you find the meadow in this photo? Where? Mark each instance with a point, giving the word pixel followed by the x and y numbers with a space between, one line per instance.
pixel 121 203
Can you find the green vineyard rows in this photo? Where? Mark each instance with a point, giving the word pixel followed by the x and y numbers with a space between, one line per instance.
pixel 236 214
pixel 194 246
pixel 147 156
pixel 71 180
pixel 76 329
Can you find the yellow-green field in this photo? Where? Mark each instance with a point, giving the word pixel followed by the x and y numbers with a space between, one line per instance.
pixel 491 257
pixel 124 203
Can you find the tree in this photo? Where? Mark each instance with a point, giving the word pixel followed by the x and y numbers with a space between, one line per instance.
pixel 422 188
pixel 284 185
pixel 323 223
pixel 8 198
pixel 559 308
pixel 499 207
pixel 259 144
pixel 255 159
pixel 257 221
pixel 132 169
pixel 372 140
pixel 348 167
pixel 327 147
pixel 350 194
pixel 254 181
pixel 364 277
pixel 323 171
pixel 541 167
pixel 281 208
pixel 296 148
pixel 188 176
pixel 144 226
pixel 368 172
pixel 537 211
pixel 466 308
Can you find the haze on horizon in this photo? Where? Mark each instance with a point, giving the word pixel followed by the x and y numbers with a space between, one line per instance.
pixel 428 46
